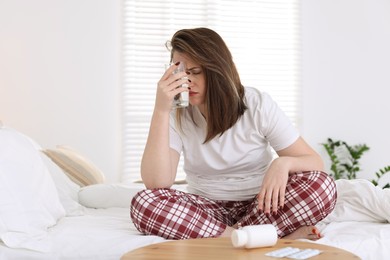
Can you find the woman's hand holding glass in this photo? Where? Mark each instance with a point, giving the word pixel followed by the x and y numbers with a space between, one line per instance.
pixel 169 86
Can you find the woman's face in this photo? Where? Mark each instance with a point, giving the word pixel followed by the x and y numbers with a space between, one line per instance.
pixel 198 82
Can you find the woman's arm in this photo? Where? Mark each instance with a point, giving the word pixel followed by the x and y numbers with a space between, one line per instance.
pixel 297 157
pixel 301 157
pixel 159 161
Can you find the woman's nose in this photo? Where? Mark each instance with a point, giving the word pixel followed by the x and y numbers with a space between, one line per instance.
pixel 188 76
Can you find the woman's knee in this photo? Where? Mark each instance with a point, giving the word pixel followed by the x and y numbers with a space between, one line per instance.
pixel 141 206
pixel 325 184
pixel 315 180
pixel 315 186
pixel 146 200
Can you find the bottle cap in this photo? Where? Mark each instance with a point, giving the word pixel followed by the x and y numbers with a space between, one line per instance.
pixel 239 238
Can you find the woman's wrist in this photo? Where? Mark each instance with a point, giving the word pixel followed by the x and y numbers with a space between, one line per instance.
pixel 283 163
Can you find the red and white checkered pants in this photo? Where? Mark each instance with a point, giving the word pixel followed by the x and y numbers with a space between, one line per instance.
pixel 173 214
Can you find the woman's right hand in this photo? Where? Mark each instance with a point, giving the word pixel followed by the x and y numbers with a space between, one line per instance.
pixel 168 87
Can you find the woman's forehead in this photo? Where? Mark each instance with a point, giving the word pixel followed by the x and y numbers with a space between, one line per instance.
pixel 178 56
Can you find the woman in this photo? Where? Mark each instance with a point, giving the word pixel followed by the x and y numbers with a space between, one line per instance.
pixel 226 135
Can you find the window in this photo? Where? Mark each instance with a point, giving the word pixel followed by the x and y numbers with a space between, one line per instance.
pixel 263 37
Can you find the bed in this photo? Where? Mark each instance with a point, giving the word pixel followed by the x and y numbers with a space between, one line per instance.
pixel 62 209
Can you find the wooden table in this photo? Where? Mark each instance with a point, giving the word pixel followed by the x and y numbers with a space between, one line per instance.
pixel 221 248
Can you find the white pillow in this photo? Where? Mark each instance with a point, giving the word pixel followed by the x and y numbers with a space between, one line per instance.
pixel 67 190
pixel 108 195
pixel 29 202
pixel 113 195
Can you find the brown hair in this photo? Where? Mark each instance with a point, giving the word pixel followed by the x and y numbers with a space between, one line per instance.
pixel 224 91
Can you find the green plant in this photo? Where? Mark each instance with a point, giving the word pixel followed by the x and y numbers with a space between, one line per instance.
pixel 345 160
pixel 379 175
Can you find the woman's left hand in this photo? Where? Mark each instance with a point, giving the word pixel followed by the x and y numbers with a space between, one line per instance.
pixel 273 189
pixel 299 156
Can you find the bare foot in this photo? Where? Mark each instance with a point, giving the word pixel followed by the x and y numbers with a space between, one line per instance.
pixel 305 232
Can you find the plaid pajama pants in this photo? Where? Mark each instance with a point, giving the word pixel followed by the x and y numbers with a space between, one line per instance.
pixel 172 214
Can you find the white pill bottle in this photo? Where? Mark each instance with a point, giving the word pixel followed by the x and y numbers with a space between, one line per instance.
pixel 255 236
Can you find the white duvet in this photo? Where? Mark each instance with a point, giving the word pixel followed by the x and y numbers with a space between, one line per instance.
pixel 359 224
pixel 359 200
pixel 360 220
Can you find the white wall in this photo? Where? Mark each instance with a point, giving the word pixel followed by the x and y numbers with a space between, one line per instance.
pixel 346 75
pixel 60 75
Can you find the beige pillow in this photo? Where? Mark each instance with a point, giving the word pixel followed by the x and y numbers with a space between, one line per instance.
pixel 78 168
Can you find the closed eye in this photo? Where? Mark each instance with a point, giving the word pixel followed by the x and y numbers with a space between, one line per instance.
pixel 194 71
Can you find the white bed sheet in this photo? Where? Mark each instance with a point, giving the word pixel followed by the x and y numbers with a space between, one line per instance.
pixel 99 234
pixel 368 240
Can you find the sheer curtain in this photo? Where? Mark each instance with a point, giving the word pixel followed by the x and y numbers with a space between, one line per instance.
pixel 263 37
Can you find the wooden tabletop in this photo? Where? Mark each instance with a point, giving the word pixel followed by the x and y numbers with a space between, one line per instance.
pixel 222 248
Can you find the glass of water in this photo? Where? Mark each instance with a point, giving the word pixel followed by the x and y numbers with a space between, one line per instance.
pixel 181 99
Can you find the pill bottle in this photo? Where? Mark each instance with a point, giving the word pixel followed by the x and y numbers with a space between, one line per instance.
pixel 254 236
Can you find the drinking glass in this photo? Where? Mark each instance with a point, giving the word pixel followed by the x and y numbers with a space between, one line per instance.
pixel 181 99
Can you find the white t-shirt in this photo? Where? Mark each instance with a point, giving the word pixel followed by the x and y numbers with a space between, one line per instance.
pixel 232 166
